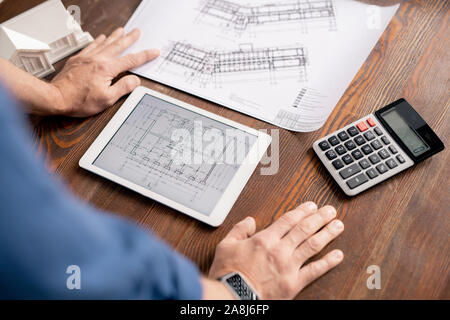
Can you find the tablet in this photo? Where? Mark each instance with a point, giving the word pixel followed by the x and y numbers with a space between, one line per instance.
pixel 179 155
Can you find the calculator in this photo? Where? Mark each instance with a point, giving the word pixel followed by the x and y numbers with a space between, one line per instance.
pixel 377 147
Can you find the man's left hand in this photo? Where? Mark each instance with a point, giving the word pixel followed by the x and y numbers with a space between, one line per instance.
pixel 84 86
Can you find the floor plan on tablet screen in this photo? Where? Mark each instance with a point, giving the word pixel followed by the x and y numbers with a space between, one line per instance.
pixel 144 152
pixel 285 62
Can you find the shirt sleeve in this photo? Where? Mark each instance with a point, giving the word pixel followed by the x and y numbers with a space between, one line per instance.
pixel 44 231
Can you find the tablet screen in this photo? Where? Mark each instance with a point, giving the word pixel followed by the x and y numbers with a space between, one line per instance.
pixel 176 153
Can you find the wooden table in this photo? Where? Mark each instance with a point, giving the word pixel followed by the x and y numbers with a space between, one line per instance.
pixel 401 226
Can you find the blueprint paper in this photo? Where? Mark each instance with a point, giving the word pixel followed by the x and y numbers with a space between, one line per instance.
pixel 284 62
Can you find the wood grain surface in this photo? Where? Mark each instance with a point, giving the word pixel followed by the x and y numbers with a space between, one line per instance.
pixel 401 225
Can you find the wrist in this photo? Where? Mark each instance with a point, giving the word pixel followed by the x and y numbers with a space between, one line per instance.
pixel 216 290
pixel 57 104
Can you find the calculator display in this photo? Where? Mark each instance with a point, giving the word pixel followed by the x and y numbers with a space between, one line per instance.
pixel 409 137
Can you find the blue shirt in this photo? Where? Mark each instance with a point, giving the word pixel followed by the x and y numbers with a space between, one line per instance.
pixel 44 231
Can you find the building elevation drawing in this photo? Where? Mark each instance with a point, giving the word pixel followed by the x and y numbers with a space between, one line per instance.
pixel 286 62
pixel 209 64
pixel 240 17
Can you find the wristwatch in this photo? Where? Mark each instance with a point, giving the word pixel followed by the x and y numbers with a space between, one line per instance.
pixel 238 286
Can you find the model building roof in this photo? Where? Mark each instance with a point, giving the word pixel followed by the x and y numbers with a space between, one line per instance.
pixel 47 22
pixel 13 41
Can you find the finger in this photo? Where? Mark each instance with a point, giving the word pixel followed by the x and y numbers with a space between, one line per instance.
pixel 242 230
pixel 290 219
pixel 135 60
pixel 122 87
pixel 122 43
pixel 117 34
pixel 317 242
pixel 310 225
pixel 318 268
pixel 93 45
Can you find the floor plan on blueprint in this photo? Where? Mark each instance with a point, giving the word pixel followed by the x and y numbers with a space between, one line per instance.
pixel 285 62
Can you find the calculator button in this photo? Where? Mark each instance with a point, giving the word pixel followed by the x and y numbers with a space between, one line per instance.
pixel 385 140
pixel 352 131
pixel 324 145
pixel 376 144
pixel 357 154
pixel 350 171
pixel 371 122
pixel 367 149
pixel 359 140
pixel 337 164
pixel 401 159
pixel 381 168
pixel 331 155
pixel 378 131
pixel 340 150
pixel 343 136
pixel 374 159
pixel 364 163
pixel 384 154
pixel 369 135
pixel 350 145
pixel 393 149
pixel 372 173
pixel 333 141
pixel 347 159
pixel 362 126
pixel 357 181
pixel 391 163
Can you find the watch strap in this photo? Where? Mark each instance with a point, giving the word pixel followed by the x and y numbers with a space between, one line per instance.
pixel 239 286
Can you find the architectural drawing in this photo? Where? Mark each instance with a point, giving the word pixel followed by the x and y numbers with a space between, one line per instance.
pixel 295 89
pixel 144 152
pixel 240 17
pixel 245 63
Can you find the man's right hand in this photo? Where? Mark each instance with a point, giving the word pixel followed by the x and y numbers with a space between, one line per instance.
pixel 273 260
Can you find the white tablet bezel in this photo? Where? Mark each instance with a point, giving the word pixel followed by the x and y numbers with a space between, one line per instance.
pixel 233 190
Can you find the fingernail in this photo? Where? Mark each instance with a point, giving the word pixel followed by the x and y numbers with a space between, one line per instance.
pixel 338 225
pixel 154 52
pixel 137 81
pixel 311 205
pixel 338 254
pixel 250 220
pixel 331 212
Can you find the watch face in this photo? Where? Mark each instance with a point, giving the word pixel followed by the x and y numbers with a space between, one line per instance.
pixel 240 287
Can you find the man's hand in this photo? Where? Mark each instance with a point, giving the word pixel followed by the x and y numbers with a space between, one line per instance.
pixel 273 260
pixel 84 87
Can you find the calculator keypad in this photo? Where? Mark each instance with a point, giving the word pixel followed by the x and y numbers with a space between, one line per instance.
pixel 359 140
pixel 338 164
pixel 362 153
pixel 352 131
pixel 343 136
pixel 350 145
pixel 367 149
pixel 376 144
pixel 340 150
pixel 369 135
pixel 333 141
pixel 331 155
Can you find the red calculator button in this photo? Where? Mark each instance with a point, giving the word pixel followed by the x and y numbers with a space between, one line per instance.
pixel 362 126
pixel 371 122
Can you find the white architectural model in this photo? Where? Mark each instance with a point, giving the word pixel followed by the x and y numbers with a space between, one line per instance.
pixel 41 36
